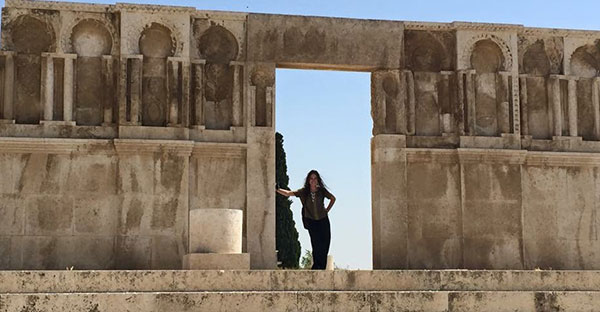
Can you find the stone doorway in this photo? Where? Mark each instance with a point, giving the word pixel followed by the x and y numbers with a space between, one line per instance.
pixel 334 106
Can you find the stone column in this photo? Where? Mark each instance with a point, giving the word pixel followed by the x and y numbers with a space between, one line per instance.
pixel 130 78
pixel 135 90
pixel 401 116
pixel 47 86
pixel 108 81
pixel 185 93
pixel 68 89
pixel 410 111
pixel 236 96
pixel 596 106
pixel 461 94
pixel 469 98
pixel 216 240
pixel 198 66
pixel 252 100
pixel 444 98
pixel 572 94
pixel 8 92
pixel 524 103
pixel 503 108
pixel 378 109
pixel 554 97
pixel 173 91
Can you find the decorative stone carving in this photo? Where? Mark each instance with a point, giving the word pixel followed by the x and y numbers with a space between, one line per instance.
pixel 156 45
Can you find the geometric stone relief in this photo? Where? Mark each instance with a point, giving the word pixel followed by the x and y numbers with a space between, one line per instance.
pixel 262 94
pixel 156 44
pixel 221 78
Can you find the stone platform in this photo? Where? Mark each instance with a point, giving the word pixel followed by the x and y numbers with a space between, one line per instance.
pixel 447 290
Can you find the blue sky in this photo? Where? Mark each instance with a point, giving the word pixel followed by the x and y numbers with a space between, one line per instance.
pixel 325 116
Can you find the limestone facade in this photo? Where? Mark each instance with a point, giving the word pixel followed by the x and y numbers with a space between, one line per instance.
pixel 118 120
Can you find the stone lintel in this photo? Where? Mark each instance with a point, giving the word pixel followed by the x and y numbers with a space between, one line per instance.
pixel 472 155
pixel 426 155
pixel 219 150
pixel 55 146
pixel 180 148
pixel 562 159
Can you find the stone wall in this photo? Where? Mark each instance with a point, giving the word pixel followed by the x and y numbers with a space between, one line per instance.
pixel 117 120
pixel 479 209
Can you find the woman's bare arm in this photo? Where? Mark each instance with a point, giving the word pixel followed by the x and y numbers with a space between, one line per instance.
pixel 331 202
pixel 285 192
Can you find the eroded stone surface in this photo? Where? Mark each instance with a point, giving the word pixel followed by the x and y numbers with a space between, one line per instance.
pixel 116 120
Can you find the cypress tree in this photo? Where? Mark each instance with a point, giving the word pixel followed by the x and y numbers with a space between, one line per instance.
pixel 286 239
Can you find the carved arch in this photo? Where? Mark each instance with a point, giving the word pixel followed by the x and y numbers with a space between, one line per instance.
pixel 502 45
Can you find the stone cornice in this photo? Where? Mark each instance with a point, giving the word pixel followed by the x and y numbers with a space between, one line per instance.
pixel 562 159
pixel 427 155
pixel 180 148
pixel 153 8
pixel 56 5
pixel 220 15
pixel 55 146
pixel 219 150
pixel 473 155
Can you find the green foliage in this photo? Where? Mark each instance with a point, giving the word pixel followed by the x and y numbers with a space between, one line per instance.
pixel 307 261
pixel 286 239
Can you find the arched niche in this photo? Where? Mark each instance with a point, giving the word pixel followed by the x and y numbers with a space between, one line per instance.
pixel 487 57
pixel 491 110
pixel 90 39
pixel 536 61
pixel 218 47
pixel 584 62
pixel 30 36
pixel 425 52
pixel 156 44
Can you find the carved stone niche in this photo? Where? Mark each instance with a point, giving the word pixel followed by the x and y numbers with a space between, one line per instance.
pixel 582 93
pixel 430 83
pixel 389 107
pixel 262 94
pixel 540 62
pixel 486 91
pixel 220 84
pixel 95 94
pixel 30 36
pixel 156 45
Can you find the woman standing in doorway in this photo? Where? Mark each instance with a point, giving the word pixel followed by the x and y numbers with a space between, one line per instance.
pixel 314 215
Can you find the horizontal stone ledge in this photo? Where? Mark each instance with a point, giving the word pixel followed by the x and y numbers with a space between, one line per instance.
pixel 296 280
pixel 121 146
pixel 305 301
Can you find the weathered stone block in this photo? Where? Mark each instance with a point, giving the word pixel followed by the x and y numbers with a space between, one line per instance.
pixel 133 252
pixel 12 215
pixel 49 215
pixel 216 261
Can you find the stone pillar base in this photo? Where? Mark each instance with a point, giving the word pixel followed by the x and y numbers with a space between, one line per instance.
pixel 216 261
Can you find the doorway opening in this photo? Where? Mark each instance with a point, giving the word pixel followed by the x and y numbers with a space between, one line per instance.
pixel 325 120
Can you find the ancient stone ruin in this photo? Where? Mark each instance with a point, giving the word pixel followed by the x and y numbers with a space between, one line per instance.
pixel 142 137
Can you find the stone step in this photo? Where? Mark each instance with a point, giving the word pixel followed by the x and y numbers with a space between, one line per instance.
pixel 292 301
pixel 296 280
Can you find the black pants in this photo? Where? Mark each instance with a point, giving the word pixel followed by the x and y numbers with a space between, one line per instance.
pixel 320 238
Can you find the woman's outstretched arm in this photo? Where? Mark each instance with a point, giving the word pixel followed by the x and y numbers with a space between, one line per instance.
pixel 285 192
